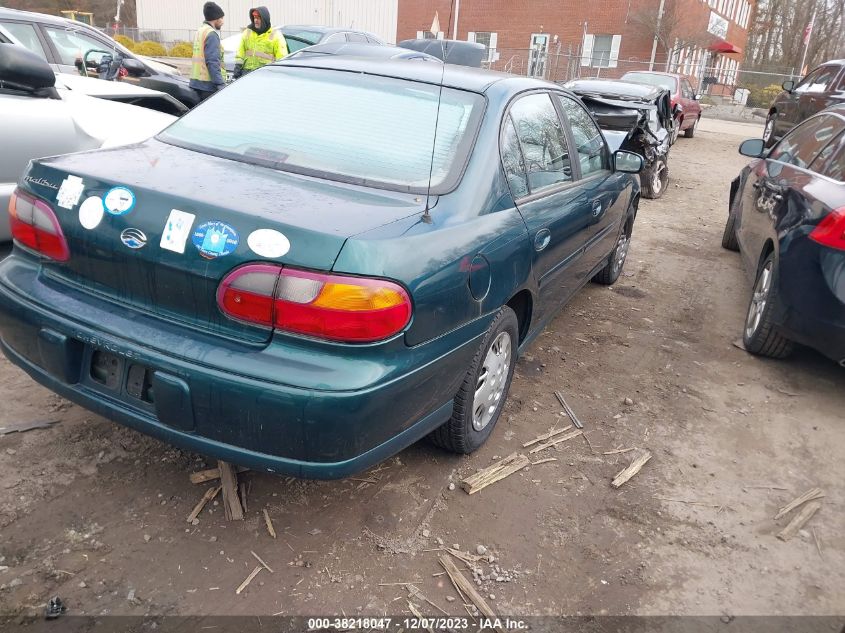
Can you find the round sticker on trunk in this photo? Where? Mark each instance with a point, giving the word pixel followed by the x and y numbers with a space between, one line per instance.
pixel 268 243
pixel 119 200
pixel 215 239
pixel 91 212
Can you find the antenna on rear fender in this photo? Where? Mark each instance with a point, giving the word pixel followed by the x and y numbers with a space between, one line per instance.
pixel 426 217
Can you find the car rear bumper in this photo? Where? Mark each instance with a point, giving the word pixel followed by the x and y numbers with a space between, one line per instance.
pixel 812 294
pixel 220 410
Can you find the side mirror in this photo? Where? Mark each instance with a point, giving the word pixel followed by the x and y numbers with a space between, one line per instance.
pixel 753 148
pixel 627 162
pixel 677 109
pixel 788 85
pixel 697 97
pixel 24 70
pixel 134 67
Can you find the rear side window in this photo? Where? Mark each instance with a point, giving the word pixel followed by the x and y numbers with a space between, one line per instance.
pixel 542 141
pixel 589 141
pixel 356 37
pixel 512 161
pixel 802 145
pixel 26 35
pixel 831 160
pixel 354 127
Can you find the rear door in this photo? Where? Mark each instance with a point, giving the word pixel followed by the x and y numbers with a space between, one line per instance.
pixel 543 179
pixel 814 96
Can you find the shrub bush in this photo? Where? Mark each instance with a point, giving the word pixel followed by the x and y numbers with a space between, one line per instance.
pixel 762 97
pixel 128 42
pixel 182 49
pixel 150 49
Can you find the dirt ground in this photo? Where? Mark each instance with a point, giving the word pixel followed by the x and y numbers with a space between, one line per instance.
pixel 95 513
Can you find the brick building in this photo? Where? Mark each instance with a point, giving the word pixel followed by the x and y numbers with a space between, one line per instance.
pixel 560 39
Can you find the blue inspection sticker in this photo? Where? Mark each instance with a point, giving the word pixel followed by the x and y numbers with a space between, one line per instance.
pixel 119 201
pixel 215 239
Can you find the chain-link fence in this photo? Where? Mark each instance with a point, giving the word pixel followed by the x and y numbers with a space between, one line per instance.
pixel 166 37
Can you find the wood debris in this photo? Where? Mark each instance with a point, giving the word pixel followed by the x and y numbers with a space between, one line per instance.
pixel 799 520
pixel 568 410
pixel 23 427
pixel 414 592
pixel 464 586
pixel 269 523
pixel 466 557
pixel 554 442
pixel 259 559
pixel 619 451
pixel 810 495
pixel 231 503
pixel 625 474
pixel 418 615
pixel 546 436
pixel 501 469
pixel 242 487
pixel 544 461
pixel 208 496
pixel 211 474
pixel 249 579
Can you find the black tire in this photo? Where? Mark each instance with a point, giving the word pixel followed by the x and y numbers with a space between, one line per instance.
pixel 690 131
pixel 729 240
pixel 459 435
pixel 760 335
pixel 649 183
pixel 769 131
pixel 616 261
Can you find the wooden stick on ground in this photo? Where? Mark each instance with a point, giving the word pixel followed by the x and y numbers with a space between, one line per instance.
pixel 418 615
pixel 546 436
pixel 231 502
pixel 557 440
pixel 269 523
pixel 208 496
pixel 568 410
pixel 414 592
pixel 810 495
pixel 463 585
pixel 501 469
pixel 799 520
pixel 544 461
pixel 258 558
pixel 619 451
pixel 242 486
pixel 624 475
pixel 249 579
pixel 200 477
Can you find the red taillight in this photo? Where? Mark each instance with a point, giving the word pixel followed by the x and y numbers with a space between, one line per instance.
pixel 831 230
pixel 35 226
pixel 333 307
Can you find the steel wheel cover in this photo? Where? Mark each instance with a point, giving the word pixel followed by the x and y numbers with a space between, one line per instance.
pixel 490 386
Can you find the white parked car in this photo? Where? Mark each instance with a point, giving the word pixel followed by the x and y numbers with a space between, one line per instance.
pixel 44 115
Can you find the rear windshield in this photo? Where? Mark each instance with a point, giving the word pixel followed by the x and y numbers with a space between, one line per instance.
pixel 662 81
pixel 346 126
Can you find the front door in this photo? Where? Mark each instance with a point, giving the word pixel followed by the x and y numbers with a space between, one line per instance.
pixel 556 212
pixel 538 54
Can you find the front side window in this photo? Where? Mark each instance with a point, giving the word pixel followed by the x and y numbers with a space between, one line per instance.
pixel 687 90
pixel 542 140
pixel 820 80
pixel 26 35
pixel 353 127
pixel 802 145
pixel 831 160
pixel 73 46
pixel 589 141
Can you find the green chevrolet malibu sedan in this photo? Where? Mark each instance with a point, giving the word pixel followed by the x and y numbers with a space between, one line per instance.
pixel 320 265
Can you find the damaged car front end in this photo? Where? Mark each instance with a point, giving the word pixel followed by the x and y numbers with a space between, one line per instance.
pixel 633 117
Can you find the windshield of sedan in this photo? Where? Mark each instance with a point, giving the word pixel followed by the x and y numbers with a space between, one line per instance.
pixel 345 126
pixel 661 81
pixel 311 36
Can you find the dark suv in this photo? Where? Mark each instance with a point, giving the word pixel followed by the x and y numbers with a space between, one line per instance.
pixel 67 44
pixel 821 88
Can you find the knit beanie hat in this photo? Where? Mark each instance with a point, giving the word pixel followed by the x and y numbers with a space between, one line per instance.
pixel 212 11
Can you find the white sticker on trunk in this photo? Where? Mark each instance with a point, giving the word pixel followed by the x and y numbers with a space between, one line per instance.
pixel 176 230
pixel 91 212
pixel 268 243
pixel 70 192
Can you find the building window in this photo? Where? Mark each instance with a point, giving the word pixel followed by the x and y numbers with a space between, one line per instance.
pixel 488 39
pixel 601 51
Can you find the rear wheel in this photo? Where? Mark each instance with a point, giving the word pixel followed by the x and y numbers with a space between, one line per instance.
pixel 610 273
pixel 729 240
pixel 482 395
pixel 760 335
pixel 690 131
pixel 769 131
pixel 654 178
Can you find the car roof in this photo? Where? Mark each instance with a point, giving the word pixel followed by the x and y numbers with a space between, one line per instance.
pixel 361 49
pixel 317 28
pixel 449 75
pixel 44 18
pixel 615 87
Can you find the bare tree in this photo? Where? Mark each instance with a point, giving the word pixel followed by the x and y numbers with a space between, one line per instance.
pixel 103 10
pixel 675 29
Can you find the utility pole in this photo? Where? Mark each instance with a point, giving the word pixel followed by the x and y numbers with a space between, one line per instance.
pixel 656 34
pixel 455 25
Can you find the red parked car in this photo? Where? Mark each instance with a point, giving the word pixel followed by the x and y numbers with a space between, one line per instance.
pixel 683 95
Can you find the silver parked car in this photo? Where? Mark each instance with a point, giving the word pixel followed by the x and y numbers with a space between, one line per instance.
pixel 41 116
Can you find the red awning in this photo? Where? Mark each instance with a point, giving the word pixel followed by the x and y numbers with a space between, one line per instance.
pixel 725 47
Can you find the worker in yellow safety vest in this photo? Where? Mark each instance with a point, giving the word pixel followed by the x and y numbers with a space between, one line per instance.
pixel 208 74
pixel 259 44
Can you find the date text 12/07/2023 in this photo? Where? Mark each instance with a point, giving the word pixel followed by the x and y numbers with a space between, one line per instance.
pixel 418 624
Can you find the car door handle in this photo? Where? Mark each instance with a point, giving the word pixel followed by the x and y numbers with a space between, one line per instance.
pixel 542 239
